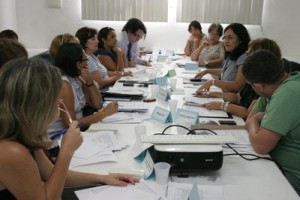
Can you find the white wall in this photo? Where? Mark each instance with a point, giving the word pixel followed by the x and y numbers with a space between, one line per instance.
pixel 37 25
pixel 8 15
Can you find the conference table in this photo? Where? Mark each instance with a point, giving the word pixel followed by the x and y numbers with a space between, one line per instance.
pixel 240 179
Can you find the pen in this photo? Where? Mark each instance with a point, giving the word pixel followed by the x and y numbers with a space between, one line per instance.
pixel 82 79
pixel 60 133
pixel 193 104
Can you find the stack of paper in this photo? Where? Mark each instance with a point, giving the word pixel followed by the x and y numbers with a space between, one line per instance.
pixel 98 147
pixel 132 107
pixel 125 91
pixel 137 191
pixel 182 191
pixel 127 118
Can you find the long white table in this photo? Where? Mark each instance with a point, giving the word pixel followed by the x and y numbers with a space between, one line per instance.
pixel 241 179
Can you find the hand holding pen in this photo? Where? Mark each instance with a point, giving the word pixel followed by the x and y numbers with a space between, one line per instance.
pixel 72 138
pixel 62 132
pixel 64 110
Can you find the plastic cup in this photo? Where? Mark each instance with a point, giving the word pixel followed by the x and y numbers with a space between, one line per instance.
pixel 173 82
pixel 173 106
pixel 162 170
pixel 154 90
pixel 139 131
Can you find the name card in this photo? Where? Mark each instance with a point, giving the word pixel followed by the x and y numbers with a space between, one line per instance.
pixel 147 165
pixel 161 81
pixel 163 94
pixel 146 162
pixel 191 66
pixel 194 195
pixel 162 58
pixel 171 73
pixel 161 115
pixel 186 117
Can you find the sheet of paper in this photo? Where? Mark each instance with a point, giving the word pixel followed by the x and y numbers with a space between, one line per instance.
pixel 105 156
pixel 116 117
pixel 132 106
pixel 108 138
pixel 196 178
pixel 241 134
pixel 137 191
pixel 203 112
pixel 88 148
pixel 127 118
pixel 181 191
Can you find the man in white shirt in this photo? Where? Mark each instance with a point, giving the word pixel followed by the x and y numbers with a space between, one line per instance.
pixel 132 32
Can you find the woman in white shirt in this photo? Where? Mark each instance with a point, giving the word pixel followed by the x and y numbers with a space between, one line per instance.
pixel 211 55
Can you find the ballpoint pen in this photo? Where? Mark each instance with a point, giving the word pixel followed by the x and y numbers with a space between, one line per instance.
pixel 62 132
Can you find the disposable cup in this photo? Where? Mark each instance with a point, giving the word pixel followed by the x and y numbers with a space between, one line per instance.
pixel 173 106
pixel 162 170
pixel 154 90
pixel 173 82
pixel 139 131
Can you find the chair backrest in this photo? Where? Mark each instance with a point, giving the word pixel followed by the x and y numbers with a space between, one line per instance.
pixel 290 66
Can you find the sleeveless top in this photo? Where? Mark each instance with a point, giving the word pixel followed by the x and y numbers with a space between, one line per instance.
pixel 95 65
pixel 79 103
pixel 212 53
pixel 111 53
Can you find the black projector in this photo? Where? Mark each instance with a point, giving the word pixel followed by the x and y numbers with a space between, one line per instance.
pixel 190 157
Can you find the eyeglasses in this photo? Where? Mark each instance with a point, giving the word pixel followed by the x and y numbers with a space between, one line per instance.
pixel 228 37
pixel 65 110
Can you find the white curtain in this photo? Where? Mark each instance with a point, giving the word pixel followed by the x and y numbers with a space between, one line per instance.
pixel 122 10
pixel 222 11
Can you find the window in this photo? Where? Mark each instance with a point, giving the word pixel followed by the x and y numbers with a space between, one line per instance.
pixel 222 11
pixel 122 10
pixel 205 11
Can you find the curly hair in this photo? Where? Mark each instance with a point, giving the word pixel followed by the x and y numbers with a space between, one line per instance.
pixel 10 49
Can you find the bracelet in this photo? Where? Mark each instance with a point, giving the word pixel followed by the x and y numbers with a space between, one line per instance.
pixel 90 84
pixel 226 106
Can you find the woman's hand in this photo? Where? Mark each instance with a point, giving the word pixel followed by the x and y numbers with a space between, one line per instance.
pixel 191 38
pixel 205 87
pixel 128 73
pixel 201 74
pixel 202 94
pixel 110 109
pixel 214 105
pixel 72 139
pixel 119 179
pixel 85 77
